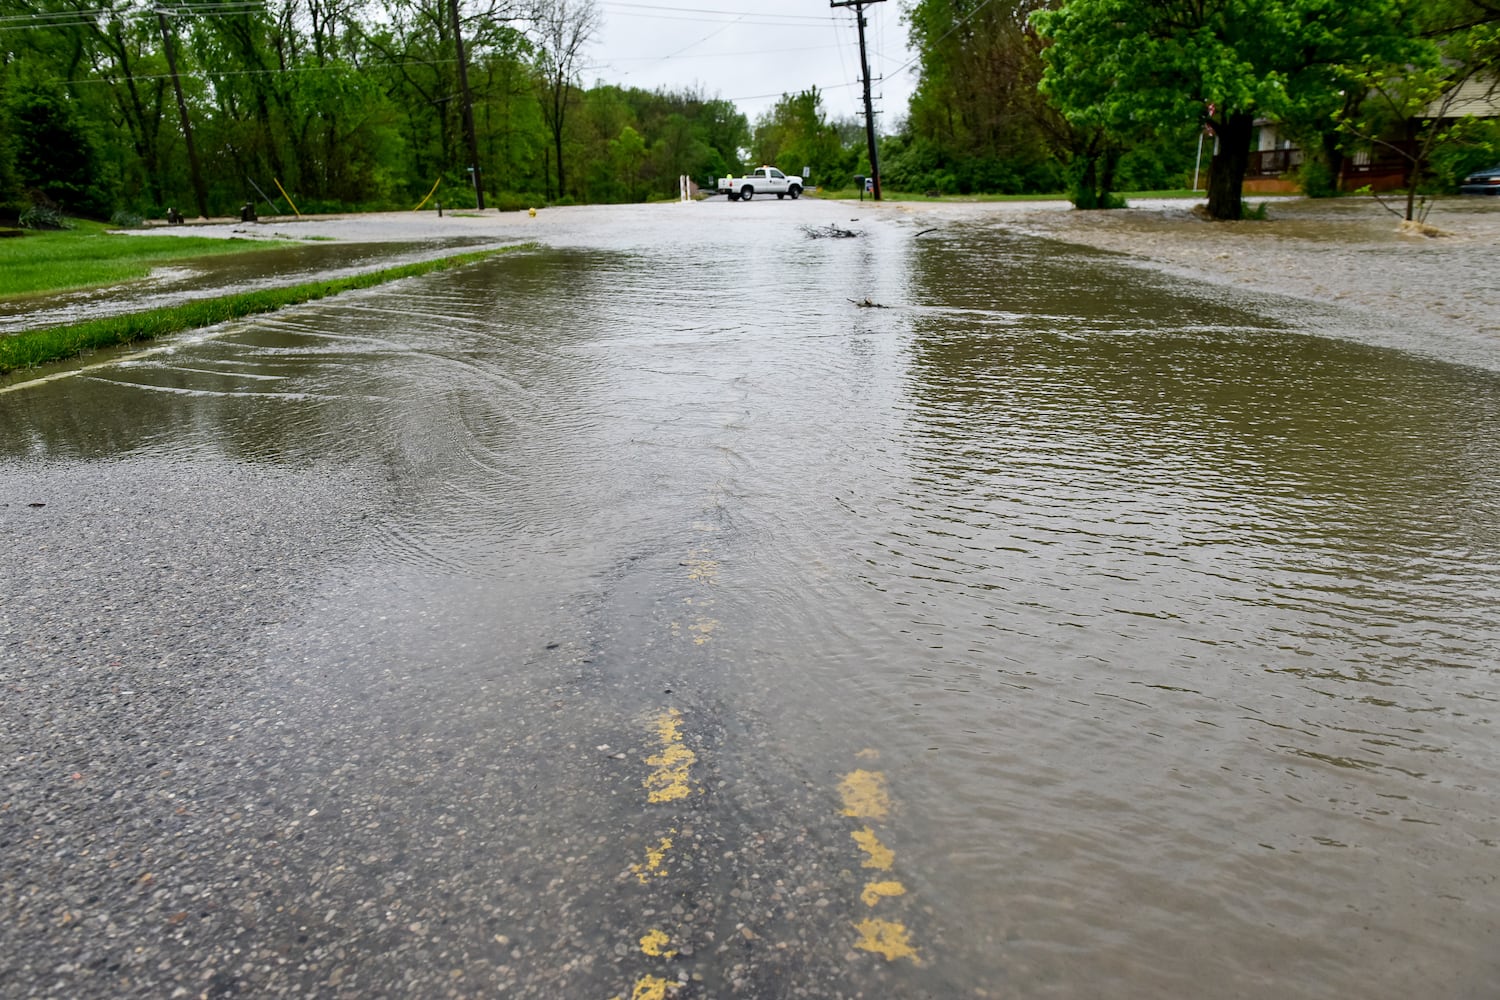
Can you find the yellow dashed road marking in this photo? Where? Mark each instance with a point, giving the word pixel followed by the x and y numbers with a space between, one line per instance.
pixel 644 873
pixel 701 570
pixel 878 856
pixel 887 938
pixel 669 781
pixel 876 891
pixel 654 944
pixel 650 988
pixel 704 627
pixel 864 795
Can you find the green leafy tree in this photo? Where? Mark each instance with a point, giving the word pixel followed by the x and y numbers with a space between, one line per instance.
pixel 1127 66
pixel 1416 109
pixel 628 161
pixel 53 151
pixel 563 28
pixel 976 120
pixel 795 133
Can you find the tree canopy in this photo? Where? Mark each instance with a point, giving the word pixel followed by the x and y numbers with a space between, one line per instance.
pixel 345 105
pixel 1130 66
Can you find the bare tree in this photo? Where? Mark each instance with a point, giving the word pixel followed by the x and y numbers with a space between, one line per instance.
pixel 563 28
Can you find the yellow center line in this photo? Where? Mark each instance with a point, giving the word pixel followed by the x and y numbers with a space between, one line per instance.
pixel 654 944
pixel 886 938
pixel 876 891
pixel 644 873
pixel 704 627
pixel 701 569
pixel 669 779
pixel 878 856
pixel 649 988
pixel 865 795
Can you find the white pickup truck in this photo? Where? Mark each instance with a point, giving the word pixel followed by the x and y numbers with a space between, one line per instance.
pixel 761 180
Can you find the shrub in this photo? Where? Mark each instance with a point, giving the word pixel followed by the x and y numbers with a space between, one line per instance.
pixel 43 215
pixel 1317 178
pixel 517 201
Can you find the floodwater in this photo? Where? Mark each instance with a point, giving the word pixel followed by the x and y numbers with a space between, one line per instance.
pixel 985 617
pixel 257 267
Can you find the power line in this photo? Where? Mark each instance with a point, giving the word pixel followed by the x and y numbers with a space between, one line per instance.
pixel 956 25
pixel 337 67
pixel 781 93
pixel 728 55
pixel 93 18
pixel 720 14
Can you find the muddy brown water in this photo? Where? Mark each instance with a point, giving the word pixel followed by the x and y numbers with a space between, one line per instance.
pixel 1169 622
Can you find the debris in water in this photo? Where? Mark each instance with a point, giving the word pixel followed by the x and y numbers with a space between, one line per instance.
pixel 867 304
pixel 830 232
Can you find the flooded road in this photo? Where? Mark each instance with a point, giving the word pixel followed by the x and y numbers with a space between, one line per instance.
pixel 206 277
pixel 693 608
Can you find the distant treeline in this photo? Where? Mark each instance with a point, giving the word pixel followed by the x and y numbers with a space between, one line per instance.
pixel 110 106
pixel 344 104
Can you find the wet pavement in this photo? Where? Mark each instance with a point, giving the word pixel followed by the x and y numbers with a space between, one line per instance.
pixel 690 608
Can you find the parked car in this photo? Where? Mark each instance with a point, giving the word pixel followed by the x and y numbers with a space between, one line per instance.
pixel 1482 182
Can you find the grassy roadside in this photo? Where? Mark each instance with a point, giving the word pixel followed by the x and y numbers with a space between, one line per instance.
pixel 88 256
pixel 34 347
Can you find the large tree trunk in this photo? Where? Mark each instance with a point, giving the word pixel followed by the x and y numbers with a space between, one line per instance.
pixel 557 141
pixel 467 97
pixel 1226 174
pixel 195 170
pixel 1333 155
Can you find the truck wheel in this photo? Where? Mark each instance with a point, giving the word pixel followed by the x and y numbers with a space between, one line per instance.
pixel 733 196
pixel 780 195
pixel 747 192
pixel 795 192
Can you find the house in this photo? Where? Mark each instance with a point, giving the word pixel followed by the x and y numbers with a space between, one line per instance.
pixel 1382 166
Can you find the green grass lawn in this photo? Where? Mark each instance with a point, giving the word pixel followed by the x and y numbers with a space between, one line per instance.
pixel 89 256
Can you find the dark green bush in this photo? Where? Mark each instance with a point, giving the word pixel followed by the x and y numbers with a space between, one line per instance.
pixel 42 215
pixel 513 201
pixel 1317 178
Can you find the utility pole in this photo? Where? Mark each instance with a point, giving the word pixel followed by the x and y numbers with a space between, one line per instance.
pixel 468 106
pixel 194 169
pixel 864 65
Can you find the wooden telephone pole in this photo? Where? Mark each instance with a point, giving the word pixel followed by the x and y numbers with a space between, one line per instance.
pixel 864 65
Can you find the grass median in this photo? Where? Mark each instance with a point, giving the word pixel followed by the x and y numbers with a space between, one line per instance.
pixel 36 347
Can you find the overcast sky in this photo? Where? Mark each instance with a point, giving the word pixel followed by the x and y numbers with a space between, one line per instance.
pixel 752 51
